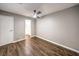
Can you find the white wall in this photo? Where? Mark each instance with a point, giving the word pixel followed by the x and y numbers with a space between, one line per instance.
pixel 19 27
pixel 61 27
pixel 19 24
pixel 33 27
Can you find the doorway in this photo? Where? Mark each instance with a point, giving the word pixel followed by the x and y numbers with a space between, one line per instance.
pixel 6 29
pixel 27 27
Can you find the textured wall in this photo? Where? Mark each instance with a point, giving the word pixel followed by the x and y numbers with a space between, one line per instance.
pixel 61 27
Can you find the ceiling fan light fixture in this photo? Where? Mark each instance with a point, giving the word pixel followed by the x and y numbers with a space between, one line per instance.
pixel 35 15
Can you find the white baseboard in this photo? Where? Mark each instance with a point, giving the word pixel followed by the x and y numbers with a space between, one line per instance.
pixel 58 44
pixel 46 40
pixel 33 35
pixel 12 42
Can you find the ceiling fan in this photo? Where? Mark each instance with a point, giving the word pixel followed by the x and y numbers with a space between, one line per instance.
pixel 36 14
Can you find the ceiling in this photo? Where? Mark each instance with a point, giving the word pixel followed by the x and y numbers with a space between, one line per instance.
pixel 26 9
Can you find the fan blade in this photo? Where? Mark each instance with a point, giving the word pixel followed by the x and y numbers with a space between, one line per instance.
pixel 34 11
pixel 39 12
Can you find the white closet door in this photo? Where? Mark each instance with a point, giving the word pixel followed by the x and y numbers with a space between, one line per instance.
pixel 6 29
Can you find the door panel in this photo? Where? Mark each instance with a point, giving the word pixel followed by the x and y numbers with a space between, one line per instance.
pixel 6 29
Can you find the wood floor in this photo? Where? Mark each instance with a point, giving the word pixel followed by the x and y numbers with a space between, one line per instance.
pixel 34 47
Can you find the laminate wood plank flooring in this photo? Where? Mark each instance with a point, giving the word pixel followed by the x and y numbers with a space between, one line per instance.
pixel 34 47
